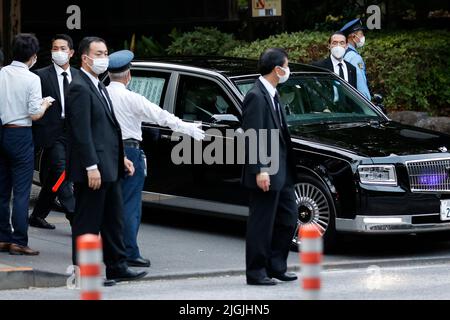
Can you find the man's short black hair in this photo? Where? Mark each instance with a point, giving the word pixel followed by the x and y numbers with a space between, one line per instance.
pixel 340 33
pixel 62 36
pixel 85 44
pixel 270 59
pixel 25 46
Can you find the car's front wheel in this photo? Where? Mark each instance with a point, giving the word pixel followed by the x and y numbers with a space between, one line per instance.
pixel 315 206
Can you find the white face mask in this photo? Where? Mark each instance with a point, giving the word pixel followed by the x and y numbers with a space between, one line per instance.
pixel 60 57
pixel 100 65
pixel 338 52
pixel 287 73
pixel 361 42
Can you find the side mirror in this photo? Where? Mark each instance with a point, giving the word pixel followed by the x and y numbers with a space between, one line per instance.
pixel 378 101
pixel 229 120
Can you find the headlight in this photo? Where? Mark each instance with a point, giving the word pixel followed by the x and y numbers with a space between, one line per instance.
pixel 378 174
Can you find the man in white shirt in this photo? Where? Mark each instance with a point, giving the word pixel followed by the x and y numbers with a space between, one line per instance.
pixel 20 103
pixel 49 134
pixel 131 110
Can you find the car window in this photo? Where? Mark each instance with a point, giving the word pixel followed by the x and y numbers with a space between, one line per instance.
pixel 321 99
pixel 152 85
pixel 198 99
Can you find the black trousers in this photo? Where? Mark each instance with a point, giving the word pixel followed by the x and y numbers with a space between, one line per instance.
pixel 101 212
pixel 270 228
pixel 53 164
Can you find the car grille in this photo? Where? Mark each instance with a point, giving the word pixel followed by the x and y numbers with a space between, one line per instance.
pixel 429 175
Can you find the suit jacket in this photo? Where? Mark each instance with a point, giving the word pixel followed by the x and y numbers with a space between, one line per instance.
pixel 259 113
pixel 94 135
pixel 328 64
pixel 50 127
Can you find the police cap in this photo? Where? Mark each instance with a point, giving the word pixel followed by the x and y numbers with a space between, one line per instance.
pixel 120 61
pixel 353 26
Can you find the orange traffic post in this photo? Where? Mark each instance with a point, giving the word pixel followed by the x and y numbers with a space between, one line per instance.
pixel 311 253
pixel 89 258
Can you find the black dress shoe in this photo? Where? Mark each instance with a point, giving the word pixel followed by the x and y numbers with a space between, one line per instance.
pixel 40 223
pixel 139 262
pixel 287 276
pixel 261 282
pixel 125 275
pixel 109 283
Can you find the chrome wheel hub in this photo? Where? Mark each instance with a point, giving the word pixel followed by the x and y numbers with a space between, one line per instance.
pixel 312 207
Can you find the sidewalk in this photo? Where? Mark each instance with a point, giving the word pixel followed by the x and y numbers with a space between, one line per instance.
pixel 178 253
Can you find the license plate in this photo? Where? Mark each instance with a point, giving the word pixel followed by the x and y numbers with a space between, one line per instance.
pixel 445 210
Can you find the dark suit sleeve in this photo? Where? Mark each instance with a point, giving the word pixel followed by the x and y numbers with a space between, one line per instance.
pixel 253 118
pixel 78 104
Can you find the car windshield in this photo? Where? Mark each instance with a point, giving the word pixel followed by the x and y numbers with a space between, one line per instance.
pixel 319 99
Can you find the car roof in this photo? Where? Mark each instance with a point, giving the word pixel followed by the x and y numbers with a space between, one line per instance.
pixel 228 66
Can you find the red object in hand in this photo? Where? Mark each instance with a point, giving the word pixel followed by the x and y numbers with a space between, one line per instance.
pixel 59 182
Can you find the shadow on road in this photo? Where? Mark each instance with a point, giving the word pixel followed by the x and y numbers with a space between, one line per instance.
pixel 194 222
pixel 386 246
pixel 391 246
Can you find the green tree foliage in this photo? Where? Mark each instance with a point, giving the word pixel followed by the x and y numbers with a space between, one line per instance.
pixel 145 47
pixel 410 69
pixel 201 41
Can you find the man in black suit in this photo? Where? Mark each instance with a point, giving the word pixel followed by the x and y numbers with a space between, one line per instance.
pixel 335 62
pixel 273 210
pixel 96 160
pixel 49 134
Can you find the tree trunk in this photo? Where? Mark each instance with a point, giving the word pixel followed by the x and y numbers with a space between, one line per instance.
pixel 10 23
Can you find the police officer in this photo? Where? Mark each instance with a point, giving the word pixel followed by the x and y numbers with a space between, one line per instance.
pixel 354 30
pixel 131 110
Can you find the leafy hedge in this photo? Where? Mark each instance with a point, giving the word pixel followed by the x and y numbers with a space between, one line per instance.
pixel 201 41
pixel 410 69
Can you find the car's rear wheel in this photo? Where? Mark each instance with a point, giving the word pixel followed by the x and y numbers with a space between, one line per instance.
pixel 315 207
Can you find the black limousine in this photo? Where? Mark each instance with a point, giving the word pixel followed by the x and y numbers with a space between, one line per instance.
pixel 357 171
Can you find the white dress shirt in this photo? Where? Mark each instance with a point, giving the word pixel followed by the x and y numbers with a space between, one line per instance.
pixel 95 81
pixel 20 94
pixel 270 88
pixel 131 109
pixel 336 67
pixel 272 92
pixel 60 77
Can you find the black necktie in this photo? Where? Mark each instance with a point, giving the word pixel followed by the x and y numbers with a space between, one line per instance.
pixel 341 71
pixel 277 107
pixel 65 83
pixel 102 89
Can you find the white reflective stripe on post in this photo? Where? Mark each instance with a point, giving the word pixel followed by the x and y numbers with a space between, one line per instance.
pixel 311 245
pixel 311 271
pixel 91 284
pixel 90 256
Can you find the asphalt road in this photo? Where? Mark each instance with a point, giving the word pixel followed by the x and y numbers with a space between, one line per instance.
pixel 407 282
pixel 183 245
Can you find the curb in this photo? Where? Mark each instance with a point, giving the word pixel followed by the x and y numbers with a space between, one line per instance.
pixel 24 278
